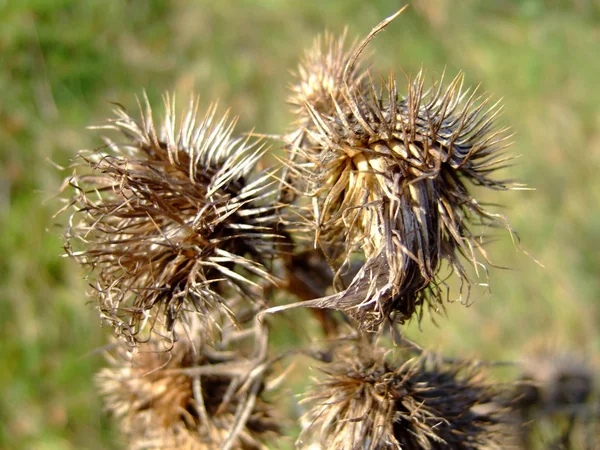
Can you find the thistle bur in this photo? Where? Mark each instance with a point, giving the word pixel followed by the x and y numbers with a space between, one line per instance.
pixel 189 242
pixel 172 223
pixel 186 395
pixel 390 180
pixel 365 402
pixel 317 80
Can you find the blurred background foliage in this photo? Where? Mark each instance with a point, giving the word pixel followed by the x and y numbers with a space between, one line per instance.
pixel 62 61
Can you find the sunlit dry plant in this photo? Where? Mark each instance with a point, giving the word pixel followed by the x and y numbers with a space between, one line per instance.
pixel 390 178
pixel 186 242
pixel 365 402
pixel 172 220
pixel 187 396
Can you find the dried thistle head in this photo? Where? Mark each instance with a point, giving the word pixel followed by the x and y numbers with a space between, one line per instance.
pixel 390 177
pixel 186 396
pixel 554 399
pixel 173 220
pixel 317 82
pixel 365 402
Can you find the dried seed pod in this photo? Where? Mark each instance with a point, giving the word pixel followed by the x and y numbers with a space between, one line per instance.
pixel 390 177
pixel 367 403
pixel 186 396
pixel 173 221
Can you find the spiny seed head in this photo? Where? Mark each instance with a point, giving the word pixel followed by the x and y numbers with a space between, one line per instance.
pixel 171 222
pixel 183 396
pixel 390 177
pixel 366 403
pixel 318 83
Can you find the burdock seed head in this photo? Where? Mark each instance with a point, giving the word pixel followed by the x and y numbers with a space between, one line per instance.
pixel 367 403
pixel 317 80
pixel 390 177
pixel 186 396
pixel 173 221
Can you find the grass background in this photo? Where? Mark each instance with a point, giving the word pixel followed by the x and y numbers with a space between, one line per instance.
pixel 61 61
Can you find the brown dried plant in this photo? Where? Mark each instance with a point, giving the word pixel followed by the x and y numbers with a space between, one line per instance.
pixel 364 401
pixel 172 221
pixel 319 78
pixel 187 244
pixel 188 395
pixel 389 179
pixel 316 81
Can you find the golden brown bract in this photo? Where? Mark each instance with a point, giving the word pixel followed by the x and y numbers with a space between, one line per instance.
pixel 319 77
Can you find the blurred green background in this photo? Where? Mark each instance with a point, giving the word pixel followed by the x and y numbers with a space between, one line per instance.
pixel 61 62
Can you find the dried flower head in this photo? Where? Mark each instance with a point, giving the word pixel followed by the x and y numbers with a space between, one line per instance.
pixel 390 178
pixel 317 81
pixel 172 222
pixel 367 403
pixel 186 396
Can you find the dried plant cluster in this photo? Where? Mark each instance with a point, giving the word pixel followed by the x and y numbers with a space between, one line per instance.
pixel 193 248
